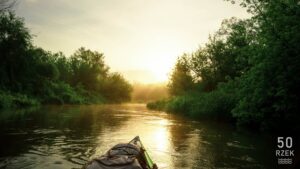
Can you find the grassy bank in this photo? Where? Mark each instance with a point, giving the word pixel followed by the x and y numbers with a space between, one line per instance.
pixel 217 104
pixel 57 94
pixel 14 100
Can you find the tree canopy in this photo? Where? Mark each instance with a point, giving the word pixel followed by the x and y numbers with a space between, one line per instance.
pixel 252 65
pixel 47 77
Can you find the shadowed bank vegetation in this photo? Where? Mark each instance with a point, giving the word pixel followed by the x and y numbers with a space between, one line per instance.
pixel 143 93
pixel 30 75
pixel 247 72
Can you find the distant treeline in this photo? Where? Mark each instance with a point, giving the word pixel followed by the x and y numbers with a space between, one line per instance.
pixel 248 72
pixel 30 75
pixel 143 93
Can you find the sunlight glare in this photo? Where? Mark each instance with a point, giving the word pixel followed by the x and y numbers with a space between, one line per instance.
pixel 161 139
pixel 161 58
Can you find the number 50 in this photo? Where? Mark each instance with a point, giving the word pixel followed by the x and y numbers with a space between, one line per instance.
pixel 288 142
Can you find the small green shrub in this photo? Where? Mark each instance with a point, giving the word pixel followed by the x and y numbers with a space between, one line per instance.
pixel 8 100
pixel 157 105
pixel 61 93
pixel 216 104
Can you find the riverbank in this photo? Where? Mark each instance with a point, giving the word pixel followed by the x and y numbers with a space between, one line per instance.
pixel 14 100
pixel 20 100
pixel 56 96
pixel 216 105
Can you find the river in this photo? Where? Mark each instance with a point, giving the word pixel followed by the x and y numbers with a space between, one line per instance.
pixel 64 137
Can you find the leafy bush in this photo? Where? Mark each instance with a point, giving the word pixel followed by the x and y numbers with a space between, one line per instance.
pixel 157 105
pixel 61 93
pixel 8 100
pixel 216 104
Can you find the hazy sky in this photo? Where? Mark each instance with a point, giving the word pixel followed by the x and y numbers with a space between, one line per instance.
pixel 139 38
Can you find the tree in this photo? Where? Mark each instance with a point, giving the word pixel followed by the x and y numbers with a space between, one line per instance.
pixel 181 79
pixel 52 77
pixel 269 92
pixel 64 66
pixel 116 89
pixel 226 55
pixel 88 68
pixel 15 40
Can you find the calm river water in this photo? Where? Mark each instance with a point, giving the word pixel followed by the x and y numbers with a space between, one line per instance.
pixel 62 137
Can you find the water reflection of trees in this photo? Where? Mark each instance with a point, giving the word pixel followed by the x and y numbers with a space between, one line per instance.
pixel 71 131
pixel 71 134
pixel 217 145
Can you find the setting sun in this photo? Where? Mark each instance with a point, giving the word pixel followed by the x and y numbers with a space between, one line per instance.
pixel 140 39
pixel 163 59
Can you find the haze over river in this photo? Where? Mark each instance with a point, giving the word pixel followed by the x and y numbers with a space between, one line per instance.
pixel 64 137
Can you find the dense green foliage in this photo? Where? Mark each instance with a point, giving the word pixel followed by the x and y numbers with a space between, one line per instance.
pixel 30 75
pixel 248 71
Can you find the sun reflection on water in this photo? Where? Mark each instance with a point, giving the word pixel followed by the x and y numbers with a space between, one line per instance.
pixel 68 137
pixel 161 139
pixel 153 132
